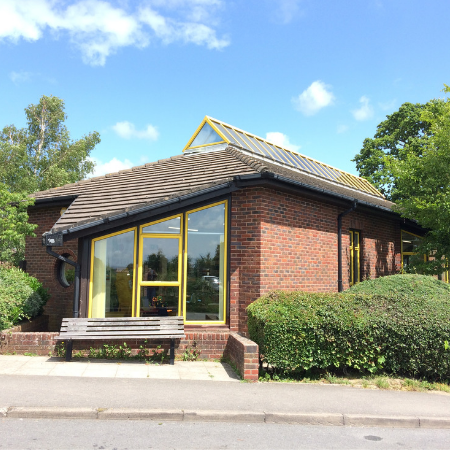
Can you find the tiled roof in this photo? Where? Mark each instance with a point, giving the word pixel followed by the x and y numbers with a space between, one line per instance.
pixel 213 132
pixel 155 182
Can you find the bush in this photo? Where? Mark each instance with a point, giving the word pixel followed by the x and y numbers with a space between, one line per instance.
pixel 401 326
pixel 407 285
pixel 21 296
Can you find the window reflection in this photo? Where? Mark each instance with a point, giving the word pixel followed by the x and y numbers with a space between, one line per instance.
pixel 205 264
pixel 113 276
pixel 160 259
pixel 159 300
pixel 171 226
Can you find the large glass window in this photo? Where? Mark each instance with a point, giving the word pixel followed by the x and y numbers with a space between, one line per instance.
pixel 160 268
pixel 205 264
pixel 181 268
pixel 410 242
pixel 355 272
pixel 112 275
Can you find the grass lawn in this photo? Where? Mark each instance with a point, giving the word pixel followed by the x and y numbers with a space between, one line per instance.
pixel 364 382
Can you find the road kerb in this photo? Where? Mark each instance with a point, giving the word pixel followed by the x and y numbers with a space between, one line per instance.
pixel 435 422
pixel 224 416
pixel 140 414
pixel 361 420
pixel 51 412
pixel 305 418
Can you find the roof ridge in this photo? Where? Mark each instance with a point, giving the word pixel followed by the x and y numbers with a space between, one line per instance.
pixel 246 159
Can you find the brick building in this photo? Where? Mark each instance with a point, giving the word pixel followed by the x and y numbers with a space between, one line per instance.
pixel 205 233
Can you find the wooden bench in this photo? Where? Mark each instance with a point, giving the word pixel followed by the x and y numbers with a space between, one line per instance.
pixel 164 327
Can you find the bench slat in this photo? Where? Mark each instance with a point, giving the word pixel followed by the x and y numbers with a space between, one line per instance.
pixel 128 331
pixel 124 327
pixel 124 319
pixel 109 337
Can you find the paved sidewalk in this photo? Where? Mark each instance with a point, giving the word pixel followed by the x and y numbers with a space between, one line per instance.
pixel 50 366
pixel 40 387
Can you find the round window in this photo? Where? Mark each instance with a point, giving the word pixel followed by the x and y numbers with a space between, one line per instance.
pixel 65 272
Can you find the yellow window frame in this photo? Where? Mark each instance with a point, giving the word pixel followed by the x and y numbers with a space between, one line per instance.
pixel 142 236
pixel 91 279
pixel 409 253
pixel 355 253
pixel 209 322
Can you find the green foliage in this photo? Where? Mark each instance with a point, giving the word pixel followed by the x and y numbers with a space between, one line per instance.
pixel 21 296
pixel 191 353
pixel 14 226
pixel 403 133
pixel 42 155
pixel 423 187
pixel 413 287
pixel 394 327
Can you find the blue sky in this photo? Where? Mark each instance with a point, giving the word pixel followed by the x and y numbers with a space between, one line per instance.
pixel 317 75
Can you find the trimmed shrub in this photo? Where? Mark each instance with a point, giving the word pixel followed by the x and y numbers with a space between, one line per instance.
pixel 403 334
pixel 21 296
pixel 410 286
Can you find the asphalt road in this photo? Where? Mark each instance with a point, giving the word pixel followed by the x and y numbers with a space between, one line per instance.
pixel 131 434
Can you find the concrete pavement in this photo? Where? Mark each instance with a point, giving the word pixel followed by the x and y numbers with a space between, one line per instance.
pixel 38 387
pixel 95 368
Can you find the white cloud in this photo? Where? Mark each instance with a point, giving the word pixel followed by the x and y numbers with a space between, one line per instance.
pixel 277 138
pixel 313 99
pixel 112 166
pixel 169 30
pixel 127 130
pixel 20 77
pixel 99 28
pixel 286 10
pixel 366 110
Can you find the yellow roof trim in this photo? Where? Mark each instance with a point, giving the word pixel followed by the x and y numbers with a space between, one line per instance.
pixel 255 143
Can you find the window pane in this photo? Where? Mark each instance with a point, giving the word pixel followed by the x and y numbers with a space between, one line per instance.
pixel 159 300
pixel 160 259
pixel 113 276
pixel 355 266
pixel 171 226
pixel 206 136
pixel 205 264
pixel 409 242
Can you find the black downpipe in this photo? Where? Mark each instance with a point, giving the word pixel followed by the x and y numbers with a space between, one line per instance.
pixel 340 216
pixel 76 293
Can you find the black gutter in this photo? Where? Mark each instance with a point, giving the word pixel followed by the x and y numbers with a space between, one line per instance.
pixel 54 201
pixel 76 292
pixel 239 181
pixel 340 216
pixel 213 191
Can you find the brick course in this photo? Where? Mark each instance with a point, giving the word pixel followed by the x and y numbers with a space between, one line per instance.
pixel 277 240
pixel 284 241
pixel 43 266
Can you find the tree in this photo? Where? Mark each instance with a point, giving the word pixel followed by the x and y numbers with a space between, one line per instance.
pixel 405 132
pixel 422 185
pixel 14 226
pixel 42 155
pixel 32 159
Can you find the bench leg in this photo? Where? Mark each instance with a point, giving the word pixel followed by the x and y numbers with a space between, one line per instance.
pixel 69 346
pixel 172 352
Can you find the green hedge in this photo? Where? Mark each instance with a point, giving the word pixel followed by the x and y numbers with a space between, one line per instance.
pixel 21 296
pixel 400 333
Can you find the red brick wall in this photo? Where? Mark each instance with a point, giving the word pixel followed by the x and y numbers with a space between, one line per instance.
pixel 277 241
pixel 380 245
pixel 41 344
pixel 244 354
pixel 284 241
pixel 43 266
